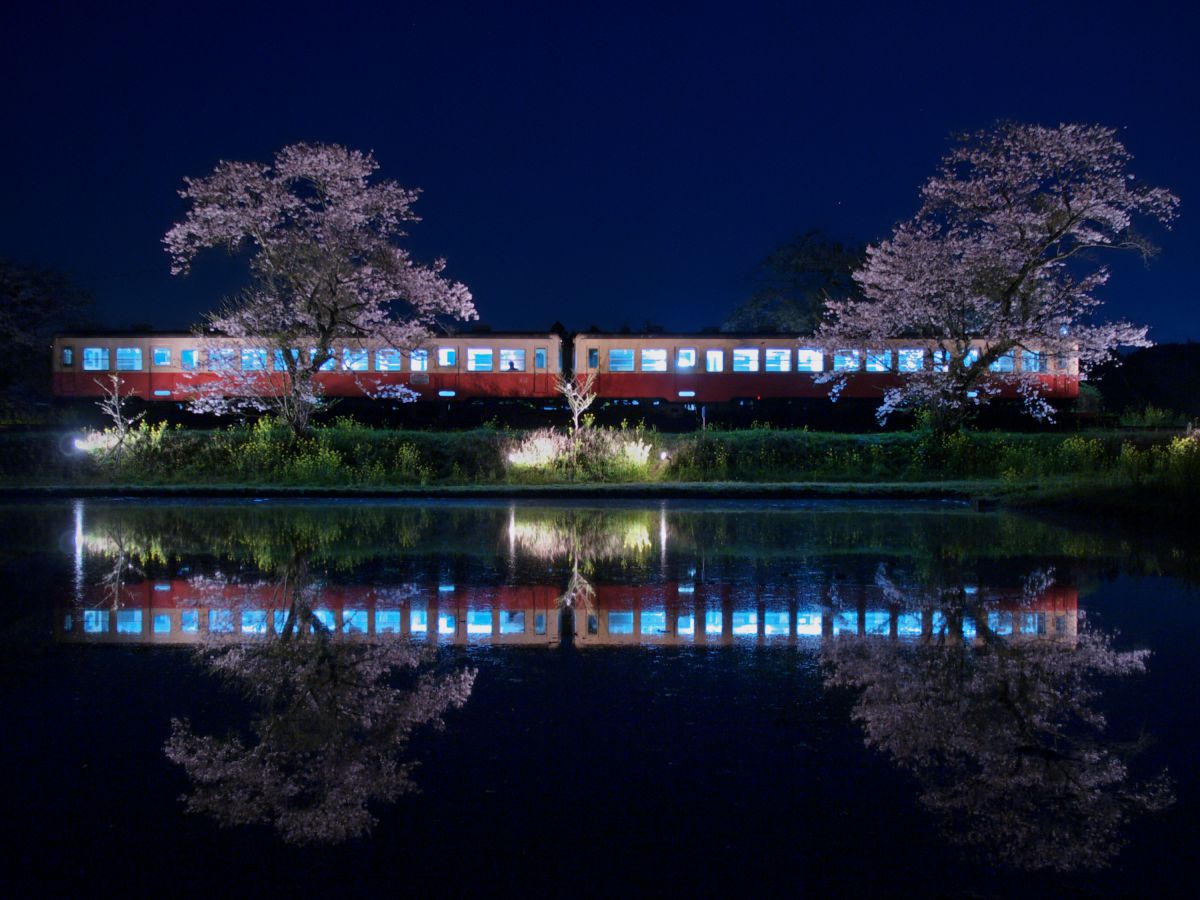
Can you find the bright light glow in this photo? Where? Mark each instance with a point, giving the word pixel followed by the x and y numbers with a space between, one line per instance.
pixel 446 393
pixel 663 456
pixel 687 393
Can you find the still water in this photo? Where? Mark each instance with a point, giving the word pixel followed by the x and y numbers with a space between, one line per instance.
pixel 354 697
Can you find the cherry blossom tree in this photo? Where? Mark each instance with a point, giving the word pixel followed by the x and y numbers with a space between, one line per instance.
pixel 1005 248
pixel 327 272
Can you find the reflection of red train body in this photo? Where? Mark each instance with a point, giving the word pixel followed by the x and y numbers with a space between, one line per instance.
pixel 705 368
pixel 181 611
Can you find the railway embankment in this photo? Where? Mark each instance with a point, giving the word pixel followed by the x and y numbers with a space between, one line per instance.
pixel 1144 474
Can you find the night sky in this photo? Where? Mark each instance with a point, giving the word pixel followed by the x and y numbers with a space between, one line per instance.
pixel 599 165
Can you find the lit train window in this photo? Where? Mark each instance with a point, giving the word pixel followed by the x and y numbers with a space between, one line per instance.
pixel 221 359
pixel 941 360
pixel 162 356
pixel 1005 363
pixel 685 358
pixel 911 360
pixel 777 360
pixel 479 359
pixel 654 360
pixel 512 360
pixel 254 359
pixel 539 358
pixel 129 359
pixel 447 356
pixel 714 360
pixel 846 361
pixel 355 360
pixel 187 359
pixel 1032 361
pixel 329 365
pixel 809 361
pixel 280 363
pixel 972 357
pixel 745 359
pixel 879 360
pixel 387 360
pixel 95 359
pixel 420 360
pixel 593 357
pixel 620 360
pixel 68 356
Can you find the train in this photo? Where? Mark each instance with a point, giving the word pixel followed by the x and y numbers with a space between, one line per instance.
pixel 671 370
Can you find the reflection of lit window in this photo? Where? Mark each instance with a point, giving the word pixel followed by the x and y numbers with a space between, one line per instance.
pixel 745 623
pixel 777 359
pixel 846 361
pixel 446 624
pixel 479 359
pixel 620 360
pixel 387 621
pixel 512 360
pixel 654 623
pixel 712 621
pixel 1005 363
pixel 512 622
pixel 220 620
pixel 420 360
pixel 279 620
pixel 879 360
pixel 330 364
pixel 325 617
pixel 279 362
pixel 354 621
pixel 254 359
pixel 162 623
pixel 254 621
pixel 1033 362
pixel 95 621
pixel 654 360
pixel 685 358
pixel 809 360
pixel 447 356
pixel 745 359
pixel 417 622
pixel 355 360
pixel 685 625
pixel 479 621
pixel 911 360
pixel 387 360
pixel 714 360
pixel 620 623
pixel 222 359
pixel 129 359
pixel 189 621
pixel 808 623
pixel 68 356
pixel 129 621
pixel 941 360
pixel 539 623
pixel 1001 622
pixel 775 623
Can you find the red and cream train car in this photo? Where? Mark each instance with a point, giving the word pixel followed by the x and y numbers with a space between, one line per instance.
pixel 172 366
pixel 720 368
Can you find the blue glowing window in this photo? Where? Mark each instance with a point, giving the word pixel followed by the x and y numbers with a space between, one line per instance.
pixel 447 357
pixel 1033 362
pixel 129 621
pixel 972 357
pixel 539 623
pixel 129 359
pixel 254 621
pixel 355 360
pixel 846 361
pixel 326 618
pixel 354 621
pixel 775 623
pixel 387 360
pixel 279 620
pixel 654 622
pixel 539 358
pixel 95 359
pixel 329 365
pixel 745 623
pixel 162 356
pixel 418 621
pixel 941 360
pixel 162 623
pixel 68 356
pixel 593 358
pixel 479 359
pixel 1006 363
pixel 279 362
pixel 712 622
pixel 220 620
pixel 95 621
pixel 221 359
pixel 685 625
pixel 685 358
pixel 911 360
pixel 447 624
pixel 745 359
pixel 620 360
pixel 254 359
pixel 777 360
pixel 654 359
pixel 512 360
pixel 809 360
pixel 879 360
pixel 479 621
pixel 189 621
pixel 714 360
pixel 188 360
pixel 420 360
pixel 512 622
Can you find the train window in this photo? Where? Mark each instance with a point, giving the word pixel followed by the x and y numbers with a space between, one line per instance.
pixel 1060 362
pixel 685 358
pixel 809 360
pixel 941 360
pixel 654 359
pixel 846 361
pixel 879 360
pixel 254 359
pixel 280 363
pixel 68 356
pixel 911 360
pixel 129 359
pixel 1004 363
pixel 745 359
pixel 1032 361
pixel 387 360
pixel 714 360
pixel 539 358
pixel 479 359
pixel 512 360
pixel 777 360
pixel 95 359
pixel 593 357
pixel 329 364
pixel 162 356
pixel 971 358
pixel 187 359
pixel 447 356
pixel 221 359
pixel 355 360
pixel 420 360
pixel 620 360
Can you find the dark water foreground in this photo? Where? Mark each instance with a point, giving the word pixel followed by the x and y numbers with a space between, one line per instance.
pixel 346 698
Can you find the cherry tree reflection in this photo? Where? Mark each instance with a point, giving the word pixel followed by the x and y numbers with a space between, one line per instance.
pixel 1002 731
pixel 332 718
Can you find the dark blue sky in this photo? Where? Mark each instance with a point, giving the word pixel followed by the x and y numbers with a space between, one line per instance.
pixel 601 164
